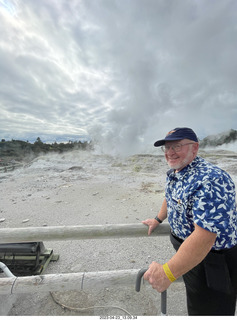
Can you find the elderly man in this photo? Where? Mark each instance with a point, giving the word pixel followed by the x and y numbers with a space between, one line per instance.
pixel 201 209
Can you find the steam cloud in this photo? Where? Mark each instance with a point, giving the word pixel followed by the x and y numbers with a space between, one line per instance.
pixel 124 72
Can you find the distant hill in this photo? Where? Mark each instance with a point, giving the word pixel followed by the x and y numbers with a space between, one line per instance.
pixel 18 150
pixel 219 139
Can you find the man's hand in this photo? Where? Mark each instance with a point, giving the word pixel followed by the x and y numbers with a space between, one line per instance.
pixel 156 276
pixel 152 224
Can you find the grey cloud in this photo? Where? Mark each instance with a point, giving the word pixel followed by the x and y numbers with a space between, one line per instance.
pixel 124 71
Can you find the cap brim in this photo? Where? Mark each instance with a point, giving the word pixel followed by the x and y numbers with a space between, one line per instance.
pixel 160 143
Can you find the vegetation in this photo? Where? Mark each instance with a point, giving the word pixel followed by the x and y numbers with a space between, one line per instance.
pixel 218 140
pixel 18 149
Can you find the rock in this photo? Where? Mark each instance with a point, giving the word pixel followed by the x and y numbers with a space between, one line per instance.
pixel 26 220
pixel 2 219
pixel 76 168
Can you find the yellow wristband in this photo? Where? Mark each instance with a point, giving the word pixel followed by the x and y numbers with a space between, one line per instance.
pixel 169 274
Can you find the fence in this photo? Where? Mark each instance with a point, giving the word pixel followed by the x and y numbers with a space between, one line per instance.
pixel 73 281
pixel 6 168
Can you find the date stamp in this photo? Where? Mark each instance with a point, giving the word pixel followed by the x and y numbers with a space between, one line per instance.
pixel 126 317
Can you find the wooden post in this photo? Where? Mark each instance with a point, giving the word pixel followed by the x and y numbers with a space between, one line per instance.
pixel 82 232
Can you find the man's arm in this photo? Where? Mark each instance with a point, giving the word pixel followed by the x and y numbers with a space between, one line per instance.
pixel 162 215
pixel 192 251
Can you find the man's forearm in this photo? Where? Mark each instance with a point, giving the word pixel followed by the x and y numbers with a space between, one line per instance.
pixel 192 251
pixel 162 214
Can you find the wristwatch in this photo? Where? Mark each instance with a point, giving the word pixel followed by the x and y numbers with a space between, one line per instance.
pixel 157 219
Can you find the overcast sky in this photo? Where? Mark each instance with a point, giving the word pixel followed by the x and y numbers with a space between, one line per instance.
pixel 125 71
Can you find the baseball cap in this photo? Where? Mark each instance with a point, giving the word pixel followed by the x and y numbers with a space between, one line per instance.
pixel 177 134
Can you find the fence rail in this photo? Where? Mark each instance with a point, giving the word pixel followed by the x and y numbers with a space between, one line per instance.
pixel 12 167
pixel 73 281
pixel 82 232
pixel 68 281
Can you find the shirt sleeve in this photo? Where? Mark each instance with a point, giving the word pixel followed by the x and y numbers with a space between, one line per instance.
pixel 212 204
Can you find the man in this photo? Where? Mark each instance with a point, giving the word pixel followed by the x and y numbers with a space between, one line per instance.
pixel 201 209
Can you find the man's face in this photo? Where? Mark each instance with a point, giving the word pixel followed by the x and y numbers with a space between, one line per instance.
pixel 180 153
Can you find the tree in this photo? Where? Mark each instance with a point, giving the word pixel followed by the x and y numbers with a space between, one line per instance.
pixel 38 141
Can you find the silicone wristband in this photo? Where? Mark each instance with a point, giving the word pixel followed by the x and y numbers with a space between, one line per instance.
pixel 169 274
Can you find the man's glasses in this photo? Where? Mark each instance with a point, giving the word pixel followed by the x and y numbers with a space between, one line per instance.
pixel 175 148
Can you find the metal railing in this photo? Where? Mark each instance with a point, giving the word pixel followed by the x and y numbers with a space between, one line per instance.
pixel 73 281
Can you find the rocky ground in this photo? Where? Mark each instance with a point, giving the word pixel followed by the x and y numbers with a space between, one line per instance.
pixel 83 188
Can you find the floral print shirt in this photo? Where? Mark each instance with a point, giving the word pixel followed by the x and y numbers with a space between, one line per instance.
pixel 203 194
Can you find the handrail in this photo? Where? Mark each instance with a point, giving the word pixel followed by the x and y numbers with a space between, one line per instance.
pixel 6 270
pixel 73 281
pixel 82 232
pixel 70 281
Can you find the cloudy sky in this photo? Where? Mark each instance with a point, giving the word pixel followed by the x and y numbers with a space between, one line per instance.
pixel 121 71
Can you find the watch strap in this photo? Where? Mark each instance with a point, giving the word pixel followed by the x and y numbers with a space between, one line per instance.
pixel 157 219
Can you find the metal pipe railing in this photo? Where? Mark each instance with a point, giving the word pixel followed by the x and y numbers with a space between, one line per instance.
pixel 82 232
pixel 6 271
pixel 70 281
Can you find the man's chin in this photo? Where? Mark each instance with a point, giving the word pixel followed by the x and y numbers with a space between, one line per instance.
pixel 174 166
pixel 177 167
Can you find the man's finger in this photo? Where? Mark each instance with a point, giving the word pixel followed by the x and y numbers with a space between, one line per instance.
pixel 150 231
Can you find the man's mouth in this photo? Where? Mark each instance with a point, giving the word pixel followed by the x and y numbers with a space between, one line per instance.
pixel 173 159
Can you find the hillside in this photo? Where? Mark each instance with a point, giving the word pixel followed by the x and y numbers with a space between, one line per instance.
pixel 219 139
pixel 19 150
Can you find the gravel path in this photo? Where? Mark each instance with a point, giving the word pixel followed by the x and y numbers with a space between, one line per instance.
pixel 80 188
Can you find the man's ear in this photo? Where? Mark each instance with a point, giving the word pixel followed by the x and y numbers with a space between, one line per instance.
pixel 195 148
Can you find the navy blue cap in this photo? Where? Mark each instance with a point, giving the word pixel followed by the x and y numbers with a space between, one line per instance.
pixel 177 134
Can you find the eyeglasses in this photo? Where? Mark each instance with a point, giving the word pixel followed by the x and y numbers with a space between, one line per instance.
pixel 176 148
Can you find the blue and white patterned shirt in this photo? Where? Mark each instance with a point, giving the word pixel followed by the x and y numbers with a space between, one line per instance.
pixel 204 194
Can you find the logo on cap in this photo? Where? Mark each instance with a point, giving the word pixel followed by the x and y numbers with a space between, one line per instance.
pixel 170 132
